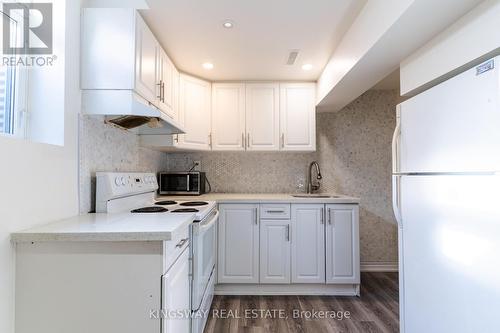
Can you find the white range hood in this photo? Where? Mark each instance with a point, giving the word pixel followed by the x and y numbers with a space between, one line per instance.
pixel 128 110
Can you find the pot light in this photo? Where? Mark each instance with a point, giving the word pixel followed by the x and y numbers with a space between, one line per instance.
pixel 208 65
pixel 307 67
pixel 228 24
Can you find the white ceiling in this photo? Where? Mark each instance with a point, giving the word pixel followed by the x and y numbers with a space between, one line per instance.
pixel 264 33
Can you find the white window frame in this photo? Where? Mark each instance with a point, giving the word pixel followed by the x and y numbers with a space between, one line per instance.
pixel 19 113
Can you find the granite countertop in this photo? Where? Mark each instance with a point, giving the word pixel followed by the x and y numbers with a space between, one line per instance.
pixel 267 198
pixel 107 227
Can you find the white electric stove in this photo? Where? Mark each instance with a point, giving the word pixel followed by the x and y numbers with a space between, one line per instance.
pixel 135 194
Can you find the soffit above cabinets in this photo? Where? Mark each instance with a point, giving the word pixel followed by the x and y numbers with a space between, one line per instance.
pixel 258 45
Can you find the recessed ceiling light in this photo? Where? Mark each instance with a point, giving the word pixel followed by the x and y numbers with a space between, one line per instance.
pixel 307 67
pixel 208 65
pixel 228 24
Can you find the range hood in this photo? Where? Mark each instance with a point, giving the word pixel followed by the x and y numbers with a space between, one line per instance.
pixel 127 110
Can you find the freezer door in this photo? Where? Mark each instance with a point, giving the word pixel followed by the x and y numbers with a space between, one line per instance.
pixel 453 127
pixel 450 253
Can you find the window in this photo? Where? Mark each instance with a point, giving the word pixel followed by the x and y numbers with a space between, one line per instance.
pixel 7 93
pixel 12 80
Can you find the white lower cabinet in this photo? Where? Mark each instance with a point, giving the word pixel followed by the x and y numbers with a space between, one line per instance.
pixel 308 243
pixel 275 251
pixel 238 243
pixel 176 295
pixel 342 244
pixel 288 248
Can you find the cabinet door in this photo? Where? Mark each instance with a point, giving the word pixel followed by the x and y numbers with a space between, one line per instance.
pixel 262 116
pixel 308 243
pixel 176 294
pixel 165 83
pixel 275 251
pixel 228 116
pixel 146 62
pixel 175 97
pixel 194 113
pixel 342 244
pixel 298 116
pixel 238 250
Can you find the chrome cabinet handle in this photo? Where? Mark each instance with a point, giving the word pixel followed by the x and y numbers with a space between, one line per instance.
pixel 282 140
pixel 329 216
pixel 248 140
pixel 159 85
pixel 322 216
pixel 182 242
pixel 162 92
pixel 255 216
pixel 210 140
pixel 275 211
pixel 243 142
pixel 287 232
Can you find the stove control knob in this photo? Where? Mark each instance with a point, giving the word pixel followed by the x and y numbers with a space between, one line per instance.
pixel 122 179
pixel 117 181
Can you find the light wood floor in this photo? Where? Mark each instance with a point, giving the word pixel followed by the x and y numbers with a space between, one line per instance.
pixel 375 311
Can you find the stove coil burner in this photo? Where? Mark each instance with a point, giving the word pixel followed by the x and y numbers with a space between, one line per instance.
pixel 185 210
pixel 194 203
pixel 150 210
pixel 166 203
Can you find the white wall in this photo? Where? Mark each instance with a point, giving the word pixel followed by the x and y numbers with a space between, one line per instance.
pixel 39 182
pixel 474 35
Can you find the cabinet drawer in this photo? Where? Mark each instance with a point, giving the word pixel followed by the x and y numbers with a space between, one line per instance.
pixel 275 211
pixel 172 249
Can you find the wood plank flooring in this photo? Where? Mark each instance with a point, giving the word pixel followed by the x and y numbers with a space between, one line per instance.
pixel 375 311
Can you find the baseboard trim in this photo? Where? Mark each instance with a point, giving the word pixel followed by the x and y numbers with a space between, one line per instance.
pixel 288 289
pixel 379 266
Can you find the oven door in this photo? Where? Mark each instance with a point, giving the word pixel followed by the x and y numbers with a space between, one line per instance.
pixel 203 256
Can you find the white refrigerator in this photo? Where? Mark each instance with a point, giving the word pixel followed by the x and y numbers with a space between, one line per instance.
pixel 446 199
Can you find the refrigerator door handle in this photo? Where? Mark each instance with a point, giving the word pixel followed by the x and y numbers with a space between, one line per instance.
pixel 395 142
pixel 396 199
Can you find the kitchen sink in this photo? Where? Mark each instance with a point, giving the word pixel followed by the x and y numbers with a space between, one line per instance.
pixel 315 196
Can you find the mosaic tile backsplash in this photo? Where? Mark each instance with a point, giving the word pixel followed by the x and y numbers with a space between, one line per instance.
pixel 354 152
pixel 104 147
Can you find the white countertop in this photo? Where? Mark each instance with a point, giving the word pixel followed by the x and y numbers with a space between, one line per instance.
pixel 150 227
pixel 266 198
pixel 107 227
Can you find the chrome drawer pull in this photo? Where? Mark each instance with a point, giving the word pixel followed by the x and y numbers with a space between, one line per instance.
pixel 275 211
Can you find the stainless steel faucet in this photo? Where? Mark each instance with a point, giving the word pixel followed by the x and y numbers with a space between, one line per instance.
pixel 310 186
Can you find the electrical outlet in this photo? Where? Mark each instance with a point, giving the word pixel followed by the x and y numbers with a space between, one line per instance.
pixel 198 165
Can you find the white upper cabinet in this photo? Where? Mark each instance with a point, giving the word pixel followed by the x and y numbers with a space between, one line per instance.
pixel 308 243
pixel 147 55
pixel 262 116
pixel 298 116
pixel 228 116
pixel 342 244
pixel 194 113
pixel 119 52
pixel 165 83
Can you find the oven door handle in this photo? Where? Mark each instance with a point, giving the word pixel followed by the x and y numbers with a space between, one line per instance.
pixel 207 224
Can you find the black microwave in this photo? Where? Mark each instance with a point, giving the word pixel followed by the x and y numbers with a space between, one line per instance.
pixel 182 183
